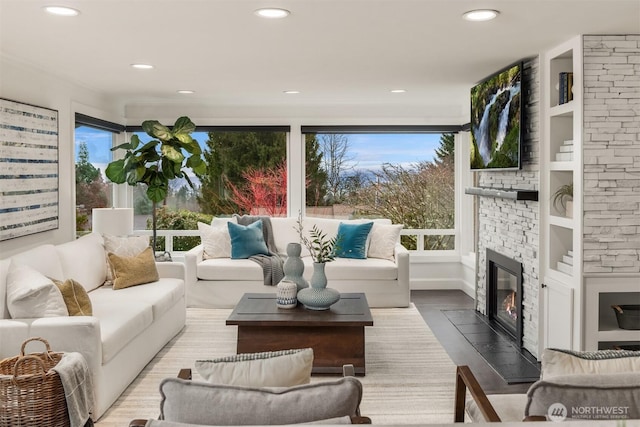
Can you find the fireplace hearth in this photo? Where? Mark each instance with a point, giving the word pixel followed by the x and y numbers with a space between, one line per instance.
pixel 504 294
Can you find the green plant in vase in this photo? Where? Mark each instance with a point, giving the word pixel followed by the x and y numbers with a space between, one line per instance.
pixel 323 250
pixel 563 196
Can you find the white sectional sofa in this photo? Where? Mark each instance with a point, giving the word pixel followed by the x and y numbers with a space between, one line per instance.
pixel 128 327
pixel 221 282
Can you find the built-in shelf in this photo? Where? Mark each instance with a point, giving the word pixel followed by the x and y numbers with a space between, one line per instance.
pixel 506 193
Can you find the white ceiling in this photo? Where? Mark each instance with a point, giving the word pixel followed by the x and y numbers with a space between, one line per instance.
pixel 339 54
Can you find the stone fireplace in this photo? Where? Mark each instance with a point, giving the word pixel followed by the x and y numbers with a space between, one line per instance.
pixel 510 227
pixel 504 294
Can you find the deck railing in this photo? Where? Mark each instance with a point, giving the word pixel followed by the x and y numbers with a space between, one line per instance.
pixel 418 233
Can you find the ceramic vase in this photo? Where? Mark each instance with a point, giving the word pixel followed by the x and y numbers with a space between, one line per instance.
pixel 318 296
pixel 286 294
pixel 294 266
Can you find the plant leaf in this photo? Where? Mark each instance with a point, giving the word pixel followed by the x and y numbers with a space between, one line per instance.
pixel 183 125
pixel 156 193
pixel 154 129
pixel 115 171
pixel 172 154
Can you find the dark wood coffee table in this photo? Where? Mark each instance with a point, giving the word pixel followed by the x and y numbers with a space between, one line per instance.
pixel 336 335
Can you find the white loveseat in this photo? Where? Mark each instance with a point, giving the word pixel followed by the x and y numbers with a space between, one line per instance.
pixel 221 282
pixel 128 327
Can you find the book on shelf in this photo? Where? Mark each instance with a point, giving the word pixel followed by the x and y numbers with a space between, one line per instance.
pixel 565 87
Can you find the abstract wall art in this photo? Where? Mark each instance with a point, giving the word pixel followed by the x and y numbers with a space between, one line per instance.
pixel 28 169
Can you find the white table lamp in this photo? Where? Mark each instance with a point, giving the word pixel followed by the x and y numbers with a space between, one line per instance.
pixel 112 221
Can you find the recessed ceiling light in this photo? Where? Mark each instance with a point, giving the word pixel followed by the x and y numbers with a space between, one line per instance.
pixel 142 66
pixel 62 11
pixel 185 91
pixel 272 12
pixel 480 15
pixel 398 90
pixel 291 92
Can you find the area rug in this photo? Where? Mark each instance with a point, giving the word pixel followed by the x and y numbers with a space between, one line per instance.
pixel 410 378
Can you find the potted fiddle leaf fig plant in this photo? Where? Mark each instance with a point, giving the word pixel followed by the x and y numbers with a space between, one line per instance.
pixel 168 156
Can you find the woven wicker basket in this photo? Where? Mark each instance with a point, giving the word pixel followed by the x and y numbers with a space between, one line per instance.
pixel 31 394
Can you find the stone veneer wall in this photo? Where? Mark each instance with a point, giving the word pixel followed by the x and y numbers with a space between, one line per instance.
pixel 511 227
pixel 611 197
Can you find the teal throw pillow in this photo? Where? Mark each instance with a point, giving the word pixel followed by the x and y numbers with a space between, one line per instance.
pixel 247 240
pixel 352 240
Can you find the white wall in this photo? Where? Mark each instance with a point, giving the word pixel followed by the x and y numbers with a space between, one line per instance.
pixel 25 84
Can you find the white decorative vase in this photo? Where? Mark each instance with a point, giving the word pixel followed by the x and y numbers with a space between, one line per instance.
pixel 318 296
pixel 568 212
pixel 286 294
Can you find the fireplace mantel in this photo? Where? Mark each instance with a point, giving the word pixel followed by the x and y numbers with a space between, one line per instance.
pixel 504 193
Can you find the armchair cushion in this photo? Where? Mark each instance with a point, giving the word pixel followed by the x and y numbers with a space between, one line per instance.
pixel 588 396
pixel 509 407
pixel 203 403
pixel 564 362
pixel 284 368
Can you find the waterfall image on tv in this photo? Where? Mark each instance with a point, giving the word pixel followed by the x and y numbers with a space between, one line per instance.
pixel 496 116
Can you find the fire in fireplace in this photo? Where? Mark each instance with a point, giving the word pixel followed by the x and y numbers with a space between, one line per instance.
pixel 504 294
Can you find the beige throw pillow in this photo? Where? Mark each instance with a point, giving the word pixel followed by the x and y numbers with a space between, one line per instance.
pixel 75 297
pixel 383 240
pixel 131 271
pixel 124 246
pixel 284 368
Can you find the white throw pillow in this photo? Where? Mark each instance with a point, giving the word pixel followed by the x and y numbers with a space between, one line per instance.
pixel 383 240
pixel 31 295
pixel 284 368
pixel 216 240
pixel 123 246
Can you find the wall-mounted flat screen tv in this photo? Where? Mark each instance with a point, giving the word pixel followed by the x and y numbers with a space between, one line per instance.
pixel 496 120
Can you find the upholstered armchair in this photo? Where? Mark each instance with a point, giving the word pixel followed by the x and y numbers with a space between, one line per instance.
pixel 573 385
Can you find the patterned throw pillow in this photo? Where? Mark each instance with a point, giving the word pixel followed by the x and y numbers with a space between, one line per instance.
pixel 132 271
pixel 384 238
pixel 216 240
pixel 75 297
pixel 284 368
pixel 124 246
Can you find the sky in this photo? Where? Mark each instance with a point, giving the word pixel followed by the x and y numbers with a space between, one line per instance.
pixel 368 150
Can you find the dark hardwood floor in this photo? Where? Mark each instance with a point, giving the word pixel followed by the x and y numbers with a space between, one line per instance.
pixel 431 304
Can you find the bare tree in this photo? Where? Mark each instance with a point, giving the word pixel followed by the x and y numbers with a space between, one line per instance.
pixel 336 162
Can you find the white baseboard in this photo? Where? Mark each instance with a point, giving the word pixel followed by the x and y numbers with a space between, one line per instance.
pixel 447 284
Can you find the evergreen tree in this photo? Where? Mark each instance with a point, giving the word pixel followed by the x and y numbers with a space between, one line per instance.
pixel 229 154
pixel 316 177
pixel 85 171
pixel 445 153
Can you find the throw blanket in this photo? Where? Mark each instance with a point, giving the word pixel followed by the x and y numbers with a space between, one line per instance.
pixel 78 387
pixel 271 264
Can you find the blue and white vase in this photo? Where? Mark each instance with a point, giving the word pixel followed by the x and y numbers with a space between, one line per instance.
pixel 286 294
pixel 318 296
